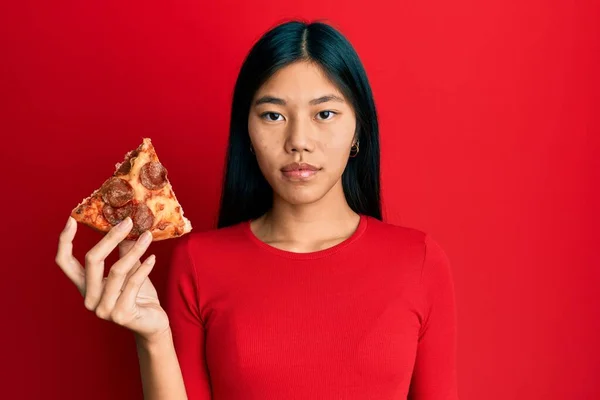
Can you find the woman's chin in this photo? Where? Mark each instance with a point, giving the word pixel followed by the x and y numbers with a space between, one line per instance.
pixel 301 195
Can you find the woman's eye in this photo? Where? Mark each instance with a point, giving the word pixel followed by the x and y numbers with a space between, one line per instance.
pixel 271 116
pixel 325 115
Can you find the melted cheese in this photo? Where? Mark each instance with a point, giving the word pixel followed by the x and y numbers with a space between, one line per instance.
pixel 167 211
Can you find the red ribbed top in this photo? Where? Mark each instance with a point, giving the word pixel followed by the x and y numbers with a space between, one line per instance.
pixel 372 317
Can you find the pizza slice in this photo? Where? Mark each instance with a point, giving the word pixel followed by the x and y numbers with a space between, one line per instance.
pixel 140 189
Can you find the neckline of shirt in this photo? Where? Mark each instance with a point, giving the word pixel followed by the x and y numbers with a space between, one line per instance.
pixel 358 232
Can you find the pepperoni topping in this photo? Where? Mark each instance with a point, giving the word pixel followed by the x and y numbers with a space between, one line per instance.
pixel 153 175
pixel 142 218
pixel 115 215
pixel 116 192
pixel 125 166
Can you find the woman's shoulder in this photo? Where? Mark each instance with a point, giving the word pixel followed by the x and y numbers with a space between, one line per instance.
pixel 214 238
pixel 395 232
pixel 403 238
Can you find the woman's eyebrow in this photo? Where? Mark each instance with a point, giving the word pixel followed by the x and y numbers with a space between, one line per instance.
pixel 325 99
pixel 269 100
pixel 281 102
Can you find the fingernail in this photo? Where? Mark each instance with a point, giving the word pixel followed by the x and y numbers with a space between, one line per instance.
pixel 124 225
pixel 146 237
pixel 69 222
pixel 151 259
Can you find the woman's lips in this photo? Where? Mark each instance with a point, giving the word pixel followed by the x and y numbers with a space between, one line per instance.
pixel 299 171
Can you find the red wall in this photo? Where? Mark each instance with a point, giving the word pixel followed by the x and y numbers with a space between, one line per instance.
pixel 490 142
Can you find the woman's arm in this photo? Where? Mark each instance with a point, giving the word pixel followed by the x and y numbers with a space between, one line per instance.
pixel 435 376
pixel 182 303
pixel 159 368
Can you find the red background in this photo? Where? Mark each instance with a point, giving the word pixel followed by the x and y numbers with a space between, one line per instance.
pixel 490 139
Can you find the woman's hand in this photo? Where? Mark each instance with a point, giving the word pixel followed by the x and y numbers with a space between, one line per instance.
pixel 126 297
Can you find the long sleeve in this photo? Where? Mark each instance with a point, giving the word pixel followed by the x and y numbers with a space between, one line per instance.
pixel 187 326
pixel 435 376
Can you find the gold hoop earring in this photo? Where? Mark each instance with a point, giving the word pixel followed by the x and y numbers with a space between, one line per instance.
pixel 354 150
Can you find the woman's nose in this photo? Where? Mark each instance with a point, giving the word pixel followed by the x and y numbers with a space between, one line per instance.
pixel 299 137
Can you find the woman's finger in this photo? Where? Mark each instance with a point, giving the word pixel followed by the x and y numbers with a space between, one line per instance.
pixel 139 248
pixel 127 299
pixel 94 262
pixel 65 259
pixel 118 275
pixel 125 246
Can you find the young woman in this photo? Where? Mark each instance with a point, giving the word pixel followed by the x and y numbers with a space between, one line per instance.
pixel 303 292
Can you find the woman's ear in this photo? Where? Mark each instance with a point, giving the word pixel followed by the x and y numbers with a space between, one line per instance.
pixel 356 134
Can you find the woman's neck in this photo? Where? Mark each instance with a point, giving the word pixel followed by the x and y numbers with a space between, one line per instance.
pixel 306 227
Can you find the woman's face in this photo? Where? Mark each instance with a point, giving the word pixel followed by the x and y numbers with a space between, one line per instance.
pixel 301 128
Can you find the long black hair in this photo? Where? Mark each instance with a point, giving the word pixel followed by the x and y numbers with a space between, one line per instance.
pixel 246 194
